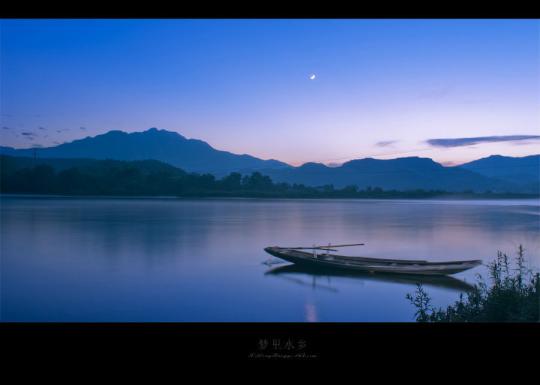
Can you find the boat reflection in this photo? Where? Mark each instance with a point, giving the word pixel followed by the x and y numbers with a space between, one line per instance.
pixel 288 271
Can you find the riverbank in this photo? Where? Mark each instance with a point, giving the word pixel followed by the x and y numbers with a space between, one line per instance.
pixel 448 197
pixel 510 294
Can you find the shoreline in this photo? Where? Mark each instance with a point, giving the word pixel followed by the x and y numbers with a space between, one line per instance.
pixel 223 197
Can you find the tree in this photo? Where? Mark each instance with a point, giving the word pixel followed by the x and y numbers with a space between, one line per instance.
pixel 257 181
pixel 232 182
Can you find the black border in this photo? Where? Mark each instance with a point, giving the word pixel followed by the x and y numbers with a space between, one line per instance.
pixel 375 343
pixel 366 345
pixel 265 10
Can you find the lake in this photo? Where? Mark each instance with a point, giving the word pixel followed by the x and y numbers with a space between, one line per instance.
pixel 107 259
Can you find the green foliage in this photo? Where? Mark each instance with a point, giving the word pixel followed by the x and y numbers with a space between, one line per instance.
pixel 422 302
pixel 511 294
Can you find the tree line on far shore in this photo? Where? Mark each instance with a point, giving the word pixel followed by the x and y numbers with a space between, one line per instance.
pixel 153 178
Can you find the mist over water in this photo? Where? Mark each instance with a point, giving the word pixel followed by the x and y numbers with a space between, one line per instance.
pixel 100 259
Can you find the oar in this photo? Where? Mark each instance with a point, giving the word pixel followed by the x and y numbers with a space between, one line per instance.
pixel 351 244
pixel 308 248
pixel 329 247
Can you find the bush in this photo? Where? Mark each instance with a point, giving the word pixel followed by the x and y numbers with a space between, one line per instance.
pixel 512 295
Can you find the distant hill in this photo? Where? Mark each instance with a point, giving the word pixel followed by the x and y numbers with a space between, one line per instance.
pixel 524 171
pixel 495 173
pixel 10 164
pixel 92 177
pixel 166 146
pixel 400 174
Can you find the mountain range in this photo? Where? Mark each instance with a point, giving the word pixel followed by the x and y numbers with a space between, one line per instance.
pixel 167 146
pixel 495 173
pixel 524 171
pixel 398 174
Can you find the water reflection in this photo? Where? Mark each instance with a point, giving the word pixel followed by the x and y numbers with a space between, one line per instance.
pixel 291 272
pixel 81 259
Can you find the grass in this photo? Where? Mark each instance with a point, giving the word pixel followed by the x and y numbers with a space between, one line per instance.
pixel 510 294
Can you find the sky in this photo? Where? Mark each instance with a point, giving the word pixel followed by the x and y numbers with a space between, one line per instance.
pixel 451 90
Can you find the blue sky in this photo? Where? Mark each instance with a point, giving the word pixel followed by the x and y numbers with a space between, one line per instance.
pixel 383 88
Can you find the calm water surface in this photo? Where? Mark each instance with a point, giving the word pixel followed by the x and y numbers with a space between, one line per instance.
pixel 79 259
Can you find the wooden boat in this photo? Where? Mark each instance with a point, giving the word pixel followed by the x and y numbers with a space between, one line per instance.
pixel 370 265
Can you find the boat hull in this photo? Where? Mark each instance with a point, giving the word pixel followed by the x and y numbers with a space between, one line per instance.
pixel 372 265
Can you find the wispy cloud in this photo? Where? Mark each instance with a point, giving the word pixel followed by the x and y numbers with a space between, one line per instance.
pixel 460 142
pixel 525 142
pixel 385 143
pixel 82 128
pixel 42 128
pixel 6 128
pixel 28 135
pixel 449 163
